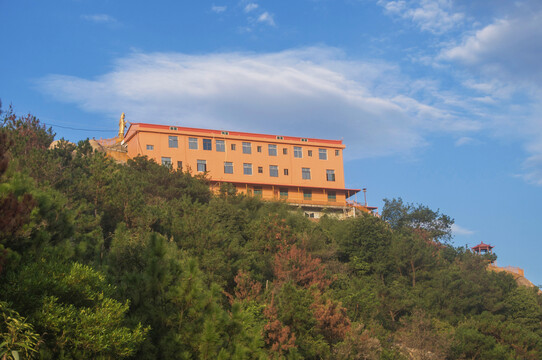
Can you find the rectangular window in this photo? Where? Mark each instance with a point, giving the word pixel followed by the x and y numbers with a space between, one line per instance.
pixel 272 150
pixel 286 172
pixel 330 175
pixel 233 147
pixel 207 144
pixel 173 142
pixel 179 165
pixel 284 151
pixel 166 161
pixel 273 171
pixel 307 194
pixel 220 145
pixel 283 193
pixel 193 143
pixel 306 173
pixel 258 191
pixel 260 169
pixel 309 152
pixel 332 196
pixel 202 165
pixel 150 147
pixel 228 167
pixel 298 152
pixel 259 148
pixel 247 148
pixel 322 154
pixel 247 169
pixel 337 152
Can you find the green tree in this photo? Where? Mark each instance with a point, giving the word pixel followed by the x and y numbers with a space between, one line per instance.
pixel 365 244
pixel 26 133
pixel 169 292
pixel 71 307
pixel 359 345
pixel 412 255
pixel 17 336
pixel 433 224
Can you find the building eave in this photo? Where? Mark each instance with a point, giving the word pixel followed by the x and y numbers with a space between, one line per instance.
pixel 234 135
pixel 351 191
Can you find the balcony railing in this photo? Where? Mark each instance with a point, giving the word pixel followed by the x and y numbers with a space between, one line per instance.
pixel 303 201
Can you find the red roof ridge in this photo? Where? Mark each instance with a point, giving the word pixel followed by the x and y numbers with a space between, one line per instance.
pixel 482 244
pixel 237 133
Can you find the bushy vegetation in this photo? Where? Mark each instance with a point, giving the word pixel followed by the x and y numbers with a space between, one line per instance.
pixel 106 261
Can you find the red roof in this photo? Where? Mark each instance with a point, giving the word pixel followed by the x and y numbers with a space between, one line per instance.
pixel 235 133
pixel 482 246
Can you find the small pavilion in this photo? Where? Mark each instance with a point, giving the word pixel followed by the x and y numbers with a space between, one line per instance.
pixel 482 248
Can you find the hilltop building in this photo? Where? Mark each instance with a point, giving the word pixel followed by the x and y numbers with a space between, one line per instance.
pixel 482 249
pixel 304 172
pixel 516 272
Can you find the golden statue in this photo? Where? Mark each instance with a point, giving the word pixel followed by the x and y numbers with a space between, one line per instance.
pixel 122 125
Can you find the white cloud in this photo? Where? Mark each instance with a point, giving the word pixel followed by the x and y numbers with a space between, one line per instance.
pixel 100 18
pixel 484 99
pixel 532 167
pixel 436 16
pixel 266 18
pixel 218 9
pixel 502 59
pixel 458 230
pixel 255 16
pixel 463 141
pixel 312 92
pixel 251 6
pixel 506 49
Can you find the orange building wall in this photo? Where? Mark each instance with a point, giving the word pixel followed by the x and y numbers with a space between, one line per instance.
pixel 141 135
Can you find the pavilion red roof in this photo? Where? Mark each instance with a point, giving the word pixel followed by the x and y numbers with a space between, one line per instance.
pixel 481 246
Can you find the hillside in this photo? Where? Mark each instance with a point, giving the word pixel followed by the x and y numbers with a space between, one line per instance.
pixel 106 261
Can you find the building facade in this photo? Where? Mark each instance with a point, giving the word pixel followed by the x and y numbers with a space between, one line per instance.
pixel 301 171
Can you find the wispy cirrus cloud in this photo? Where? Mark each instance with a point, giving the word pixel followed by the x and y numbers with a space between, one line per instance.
pixel 502 63
pixel 218 9
pixel 459 230
pixel 436 16
pixel 256 15
pixel 266 18
pixel 250 7
pixel 313 92
pixel 464 140
pixel 100 18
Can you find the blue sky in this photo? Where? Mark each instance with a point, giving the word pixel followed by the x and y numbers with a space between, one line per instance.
pixel 437 101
